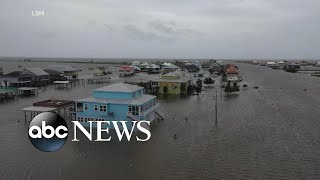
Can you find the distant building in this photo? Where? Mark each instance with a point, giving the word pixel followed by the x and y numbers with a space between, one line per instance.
pixel 231 73
pixel 169 67
pixel 281 64
pixel 135 63
pixel 66 71
pixel 192 68
pixel 136 69
pixel 272 64
pixel 17 79
pixel 40 76
pixel 216 68
pixel 54 75
pixel 117 102
pixel 126 71
pixel 171 83
pixel 292 67
pixel 144 64
pixel 153 69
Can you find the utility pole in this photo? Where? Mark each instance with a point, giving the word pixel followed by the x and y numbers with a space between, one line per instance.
pixel 216 107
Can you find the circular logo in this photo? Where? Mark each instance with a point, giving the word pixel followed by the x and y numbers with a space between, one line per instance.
pixel 48 132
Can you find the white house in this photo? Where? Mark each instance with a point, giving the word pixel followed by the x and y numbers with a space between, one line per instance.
pixel 144 64
pixel 135 63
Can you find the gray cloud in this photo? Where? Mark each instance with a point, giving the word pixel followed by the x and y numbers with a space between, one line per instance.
pixel 166 28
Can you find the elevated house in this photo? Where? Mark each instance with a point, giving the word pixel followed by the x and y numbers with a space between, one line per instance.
pixel 135 63
pixel 20 78
pixel 126 71
pixel 153 69
pixel 272 64
pixel 117 102
pixel 136 69
pixel 292 67
pixel 143 66
pixel 192 68
pixel 216 68
pixel 281 64
pixel 54 75
pixel 231 73
pixel 68 72
pixel 169 67
pixel 172 83
pixel 40 77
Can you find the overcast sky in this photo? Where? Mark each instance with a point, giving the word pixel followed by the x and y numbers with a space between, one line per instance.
pixel 161 29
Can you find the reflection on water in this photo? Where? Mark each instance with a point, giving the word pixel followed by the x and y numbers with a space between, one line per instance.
pixel 266 133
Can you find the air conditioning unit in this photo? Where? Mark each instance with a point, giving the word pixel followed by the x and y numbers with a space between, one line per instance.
pixel 110 113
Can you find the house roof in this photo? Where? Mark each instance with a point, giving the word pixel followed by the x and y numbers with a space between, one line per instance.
pixel 171 66
pixel 120 87
pixel 136 101
pixel 135 68
pixel 52 72
pixel 19 73
pixel 37 71
pixel 166 64
pixel 153 66
pixel 144 64
pixel 62 68
pixel 135 62
pixel 126 67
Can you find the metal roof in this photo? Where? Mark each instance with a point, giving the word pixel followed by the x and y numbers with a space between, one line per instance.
pixel 37 71
pixel 136 101
pixel 120 87
pixel 39 109
pixel 62 68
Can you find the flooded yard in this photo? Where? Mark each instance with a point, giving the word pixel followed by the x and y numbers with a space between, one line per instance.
pixel 267 133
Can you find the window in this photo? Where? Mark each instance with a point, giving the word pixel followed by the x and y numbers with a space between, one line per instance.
pixel 95 107
pixel 85 107
pixel 154 83
pixel 103 108
pixel 134 110
pixel 79 107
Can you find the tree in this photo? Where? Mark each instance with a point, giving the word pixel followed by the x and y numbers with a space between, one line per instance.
pixel 190 89
pixel 208 81
pixel 183 88
pixel 141 84
pixel 165 89
pixel 290 69
pixel 228 88
pixel 199 86
pixel 235 87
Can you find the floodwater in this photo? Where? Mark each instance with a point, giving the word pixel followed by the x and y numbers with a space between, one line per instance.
pixel 267 133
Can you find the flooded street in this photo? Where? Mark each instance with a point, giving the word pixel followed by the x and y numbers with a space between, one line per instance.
pixel 267 133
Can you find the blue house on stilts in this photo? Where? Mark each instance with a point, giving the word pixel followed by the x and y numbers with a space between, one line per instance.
pixel 117 102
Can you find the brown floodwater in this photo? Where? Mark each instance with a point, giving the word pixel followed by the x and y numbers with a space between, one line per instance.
pixel 267 133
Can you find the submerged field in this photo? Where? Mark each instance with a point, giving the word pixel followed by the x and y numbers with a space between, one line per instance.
pixel 266 133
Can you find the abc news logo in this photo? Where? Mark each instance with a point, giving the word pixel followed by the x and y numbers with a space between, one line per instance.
pixel 48 131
